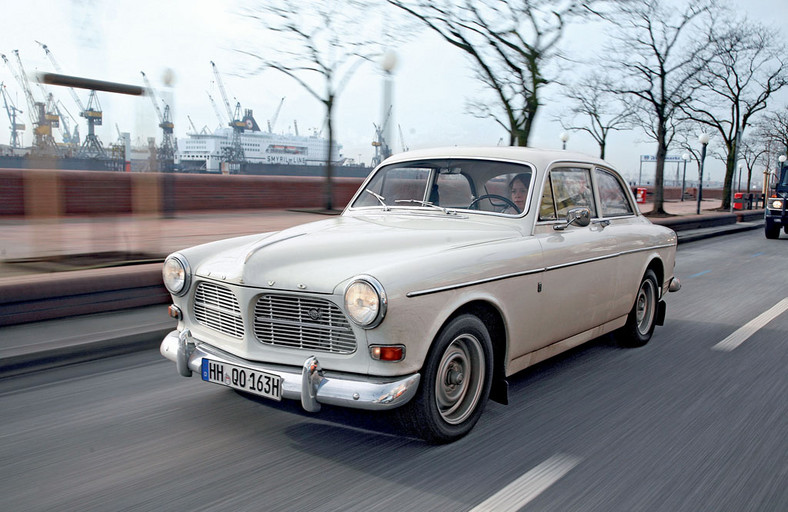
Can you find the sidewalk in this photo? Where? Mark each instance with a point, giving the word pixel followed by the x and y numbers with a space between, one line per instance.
pixel 55 245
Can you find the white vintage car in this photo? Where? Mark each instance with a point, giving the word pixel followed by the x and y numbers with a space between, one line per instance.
pixel 449 270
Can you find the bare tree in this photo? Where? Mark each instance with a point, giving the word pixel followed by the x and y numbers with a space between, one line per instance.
pixel 510 43
pixel 774 127
pixel 754 152
pixel 658 52
pixel 601 110
pixel 321 47
pixel 745 72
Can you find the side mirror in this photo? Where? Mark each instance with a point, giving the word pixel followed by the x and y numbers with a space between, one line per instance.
pixel 579 216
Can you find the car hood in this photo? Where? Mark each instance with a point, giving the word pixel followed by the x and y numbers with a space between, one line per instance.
pixel 321 255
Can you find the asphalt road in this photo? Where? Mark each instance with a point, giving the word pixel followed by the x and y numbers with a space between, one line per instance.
pixel 683 424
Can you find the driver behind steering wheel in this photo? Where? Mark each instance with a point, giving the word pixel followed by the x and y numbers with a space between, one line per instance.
pixel 518 192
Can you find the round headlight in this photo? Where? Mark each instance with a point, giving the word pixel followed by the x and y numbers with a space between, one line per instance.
pixel 777 205
pixel 176 274
pixel 365 302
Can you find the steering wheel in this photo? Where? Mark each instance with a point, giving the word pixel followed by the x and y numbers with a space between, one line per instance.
pixel 506 200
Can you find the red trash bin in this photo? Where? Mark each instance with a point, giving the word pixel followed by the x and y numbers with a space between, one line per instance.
pixel 641 195
pixel 738 202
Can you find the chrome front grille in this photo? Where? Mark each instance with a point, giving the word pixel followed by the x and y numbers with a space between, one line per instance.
pixel 300 322
pixel 215 306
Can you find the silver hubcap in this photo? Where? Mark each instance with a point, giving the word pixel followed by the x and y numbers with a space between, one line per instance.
pixel 645 306
pixel 460 379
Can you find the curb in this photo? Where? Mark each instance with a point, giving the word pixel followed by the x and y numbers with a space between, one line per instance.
pixel 80 292
pixel 89 348
pixel 694 236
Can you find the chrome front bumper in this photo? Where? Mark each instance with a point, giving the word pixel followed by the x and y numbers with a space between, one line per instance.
pixel 309 384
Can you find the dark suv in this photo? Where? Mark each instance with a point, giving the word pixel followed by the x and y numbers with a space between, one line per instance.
pixel 776 215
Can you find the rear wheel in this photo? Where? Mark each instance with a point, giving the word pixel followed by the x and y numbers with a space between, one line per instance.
pixel 642 318
pixel 455 383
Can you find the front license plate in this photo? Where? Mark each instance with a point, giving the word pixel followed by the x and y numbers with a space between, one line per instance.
pixel 244 379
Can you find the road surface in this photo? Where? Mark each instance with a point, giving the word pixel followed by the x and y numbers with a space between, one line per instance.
pixel 696 420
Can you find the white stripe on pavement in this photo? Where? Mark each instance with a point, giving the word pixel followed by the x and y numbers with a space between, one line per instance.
pixel 743 333
pixel 533 483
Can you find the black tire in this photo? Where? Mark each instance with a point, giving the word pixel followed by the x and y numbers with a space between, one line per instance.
pixel 642 318
pixel 455 383
pixel 772 230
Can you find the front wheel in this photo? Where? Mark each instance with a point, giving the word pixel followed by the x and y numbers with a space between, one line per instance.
pixel 772 230
pixel 455 383
pixel 642 318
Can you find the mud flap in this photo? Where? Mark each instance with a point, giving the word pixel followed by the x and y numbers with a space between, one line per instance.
pixel 661 311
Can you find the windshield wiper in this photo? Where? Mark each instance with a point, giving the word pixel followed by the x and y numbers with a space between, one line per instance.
pixel 427 204
pixel 379 198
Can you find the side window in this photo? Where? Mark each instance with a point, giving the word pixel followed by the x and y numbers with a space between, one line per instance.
pixel 612 196
pixel 571 188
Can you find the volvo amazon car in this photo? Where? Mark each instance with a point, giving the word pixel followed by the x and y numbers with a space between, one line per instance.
pixel 448 271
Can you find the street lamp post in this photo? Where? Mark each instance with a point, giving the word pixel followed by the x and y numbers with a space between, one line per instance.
pixel 704 141
pixel 388 64
pixel 686 158
pixel 564 137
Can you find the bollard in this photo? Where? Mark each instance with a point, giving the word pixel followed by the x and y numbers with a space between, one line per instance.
pixel 737 205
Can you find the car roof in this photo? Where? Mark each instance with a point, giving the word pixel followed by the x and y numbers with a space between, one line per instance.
pixel 541 158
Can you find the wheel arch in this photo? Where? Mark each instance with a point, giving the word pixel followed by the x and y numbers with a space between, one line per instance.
pixel 493 320
pixel 658 267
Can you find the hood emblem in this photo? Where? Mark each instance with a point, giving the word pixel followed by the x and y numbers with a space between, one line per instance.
pixel 314 314
pixel 271 283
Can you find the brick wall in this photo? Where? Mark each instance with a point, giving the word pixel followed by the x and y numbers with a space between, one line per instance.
pixel 46 193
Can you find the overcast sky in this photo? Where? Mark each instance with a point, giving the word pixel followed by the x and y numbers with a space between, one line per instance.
pixel 115 40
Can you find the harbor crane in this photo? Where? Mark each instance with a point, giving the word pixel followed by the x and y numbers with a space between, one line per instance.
pixel 166 153
pixel 272 122
pixel 12 111
pixel 215 108
pixel 381 145
pixel 402 139
pixel 42 119
pixel 235 153
pixel 91 146
pixel 191 123
pixel 68 137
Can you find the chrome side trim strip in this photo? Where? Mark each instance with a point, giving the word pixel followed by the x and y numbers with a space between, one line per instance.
pixel 439 289
pixel 473 283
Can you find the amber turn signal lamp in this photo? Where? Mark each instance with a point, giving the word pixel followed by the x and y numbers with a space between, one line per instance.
pixel 174 312
pixel 387 352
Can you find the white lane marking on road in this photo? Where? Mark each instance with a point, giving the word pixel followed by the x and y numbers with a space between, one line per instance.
pixel 743 333
pixel 533 483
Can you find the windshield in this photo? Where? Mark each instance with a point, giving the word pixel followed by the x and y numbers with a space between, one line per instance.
pixel 782 185
pixel 475 185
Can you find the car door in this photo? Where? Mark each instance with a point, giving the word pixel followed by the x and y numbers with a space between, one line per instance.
pixel 580 279
pixel 618 212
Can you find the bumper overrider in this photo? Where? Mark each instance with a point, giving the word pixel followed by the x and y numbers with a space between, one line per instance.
pixel 309 384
